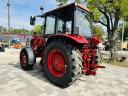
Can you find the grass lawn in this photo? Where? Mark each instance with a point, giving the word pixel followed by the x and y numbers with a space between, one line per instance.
pixel 117 63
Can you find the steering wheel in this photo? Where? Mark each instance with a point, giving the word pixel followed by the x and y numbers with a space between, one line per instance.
pixel 67 29
pixel 60 32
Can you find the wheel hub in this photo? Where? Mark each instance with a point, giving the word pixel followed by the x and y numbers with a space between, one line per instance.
pixel 56 63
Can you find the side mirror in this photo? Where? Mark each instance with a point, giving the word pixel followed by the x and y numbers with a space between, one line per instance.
pixel 76 30
pixel 32 20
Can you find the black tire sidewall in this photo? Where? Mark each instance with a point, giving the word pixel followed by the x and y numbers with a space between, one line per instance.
pixel 65 78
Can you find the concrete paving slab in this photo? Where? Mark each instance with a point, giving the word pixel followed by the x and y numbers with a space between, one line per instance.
pixel 111 81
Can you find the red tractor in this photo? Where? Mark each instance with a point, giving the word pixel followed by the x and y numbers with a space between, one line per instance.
pixel 67 47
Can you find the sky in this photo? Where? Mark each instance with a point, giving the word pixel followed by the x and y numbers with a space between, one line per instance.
pixel 21 10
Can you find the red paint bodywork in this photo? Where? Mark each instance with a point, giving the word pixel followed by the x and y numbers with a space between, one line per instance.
pixel 88 52
pixel 37 41
pixel 76 38
pixel 89 63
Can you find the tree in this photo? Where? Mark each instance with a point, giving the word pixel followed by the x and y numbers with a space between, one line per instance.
pixel 3 29
pixel 20 31
pixel 14 30
pixel 98 31
pixel 61 2
pixel 78 1
pixel 37 29
pixel 125 32
pixel 109 13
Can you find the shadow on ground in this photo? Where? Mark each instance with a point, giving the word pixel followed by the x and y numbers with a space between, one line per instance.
pixel 37 72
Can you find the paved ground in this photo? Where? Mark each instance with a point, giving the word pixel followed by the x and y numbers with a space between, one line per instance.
pixel 120 54
pixel 111 81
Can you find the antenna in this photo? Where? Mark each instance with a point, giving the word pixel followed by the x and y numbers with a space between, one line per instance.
pixel 41 8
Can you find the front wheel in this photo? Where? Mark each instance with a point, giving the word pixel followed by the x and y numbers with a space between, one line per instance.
pixel 27 59
pixel 62 63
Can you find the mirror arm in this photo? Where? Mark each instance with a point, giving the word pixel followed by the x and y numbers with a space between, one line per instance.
pixel 40 16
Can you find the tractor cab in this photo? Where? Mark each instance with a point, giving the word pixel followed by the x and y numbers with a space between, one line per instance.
pixel 70 19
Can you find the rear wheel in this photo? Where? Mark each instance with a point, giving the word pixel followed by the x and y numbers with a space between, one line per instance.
pixel 62 63
pixel 25 60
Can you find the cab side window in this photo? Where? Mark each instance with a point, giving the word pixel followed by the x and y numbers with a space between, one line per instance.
pixel 60 26
pixel 50 25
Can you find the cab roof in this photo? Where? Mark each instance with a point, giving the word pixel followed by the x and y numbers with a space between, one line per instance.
pixel 66 8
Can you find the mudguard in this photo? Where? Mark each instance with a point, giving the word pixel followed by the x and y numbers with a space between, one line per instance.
pixel 76 38
pixel 31 55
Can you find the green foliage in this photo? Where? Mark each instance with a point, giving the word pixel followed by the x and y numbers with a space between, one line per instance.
pixel 3 29
pixel 14 30
pixel 109 13
pixel 98 31
pixel 115 8
pixel 78 1
pixel 20 31
pixel 37 29
pixel 61 2
pixel 125 32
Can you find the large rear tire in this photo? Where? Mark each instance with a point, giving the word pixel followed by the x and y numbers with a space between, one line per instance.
pixel 27 59
pixel 62 63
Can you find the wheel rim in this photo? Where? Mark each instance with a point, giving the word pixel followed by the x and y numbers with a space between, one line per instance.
pixel 23 59
pixel 56 63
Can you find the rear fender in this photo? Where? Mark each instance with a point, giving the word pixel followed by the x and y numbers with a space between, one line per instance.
pixel 30 53
pixel 77 39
